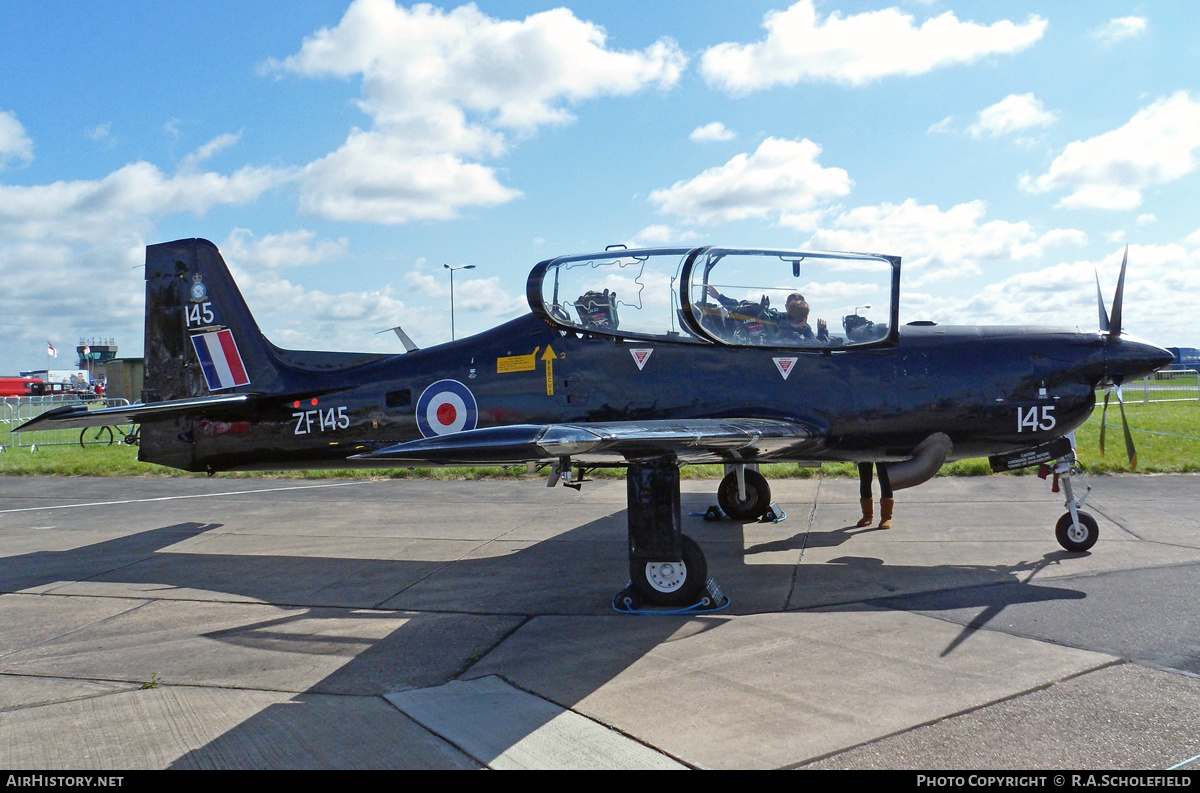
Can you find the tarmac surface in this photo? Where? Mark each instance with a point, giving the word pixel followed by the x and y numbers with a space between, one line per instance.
pixel 265 623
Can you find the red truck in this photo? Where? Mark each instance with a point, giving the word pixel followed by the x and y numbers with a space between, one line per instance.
pixel 21 386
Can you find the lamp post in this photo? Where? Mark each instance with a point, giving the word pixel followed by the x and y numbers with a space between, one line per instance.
pixel 452 269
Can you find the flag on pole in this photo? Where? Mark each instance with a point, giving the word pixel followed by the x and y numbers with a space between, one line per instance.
pixel 53 353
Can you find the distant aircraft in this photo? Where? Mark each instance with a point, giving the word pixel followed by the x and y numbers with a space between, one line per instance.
pixel 643 359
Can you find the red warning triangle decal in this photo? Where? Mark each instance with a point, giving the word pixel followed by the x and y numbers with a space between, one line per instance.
pixel 784 365
pixel 640 356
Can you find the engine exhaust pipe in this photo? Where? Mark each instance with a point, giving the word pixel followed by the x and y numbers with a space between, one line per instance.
pixel 923 465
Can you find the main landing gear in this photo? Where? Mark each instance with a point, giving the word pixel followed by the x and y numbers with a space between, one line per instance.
pixel 1076 530
pixel 667 570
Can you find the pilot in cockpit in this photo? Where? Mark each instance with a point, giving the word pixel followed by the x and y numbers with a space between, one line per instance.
pixel 793 326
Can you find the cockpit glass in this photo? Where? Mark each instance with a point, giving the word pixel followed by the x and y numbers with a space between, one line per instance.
pixel 619 292
pixel 791 299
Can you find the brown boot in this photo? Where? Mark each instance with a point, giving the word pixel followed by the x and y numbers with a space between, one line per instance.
pixel 885 512
pixel 868 508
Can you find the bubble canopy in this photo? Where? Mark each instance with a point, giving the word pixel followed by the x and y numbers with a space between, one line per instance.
pixel 724 296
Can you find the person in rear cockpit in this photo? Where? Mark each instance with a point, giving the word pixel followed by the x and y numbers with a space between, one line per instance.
pixel 794 325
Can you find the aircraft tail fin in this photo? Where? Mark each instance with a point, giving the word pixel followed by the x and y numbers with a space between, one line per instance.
pixel 200 336
pixel 202 343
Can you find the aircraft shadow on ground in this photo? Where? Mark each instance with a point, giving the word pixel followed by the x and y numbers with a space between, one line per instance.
pixel 456 612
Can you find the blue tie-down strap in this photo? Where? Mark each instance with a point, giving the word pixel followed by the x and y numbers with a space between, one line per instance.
pixel 628 602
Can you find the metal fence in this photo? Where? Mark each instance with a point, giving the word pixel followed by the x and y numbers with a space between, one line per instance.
pixel 15 411
pixel 1169 385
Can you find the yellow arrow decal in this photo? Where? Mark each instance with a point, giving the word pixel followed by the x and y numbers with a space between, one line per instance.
pixel 548 356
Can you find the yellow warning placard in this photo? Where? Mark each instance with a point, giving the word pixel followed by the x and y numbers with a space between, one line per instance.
pixel 518 363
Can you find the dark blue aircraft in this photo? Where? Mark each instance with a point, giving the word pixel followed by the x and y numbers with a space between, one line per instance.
pixel 643 359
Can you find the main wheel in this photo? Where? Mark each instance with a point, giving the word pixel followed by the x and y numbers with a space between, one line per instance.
pixel 758 496
pixel 1077 539
pixel 100 435
pixel 672 583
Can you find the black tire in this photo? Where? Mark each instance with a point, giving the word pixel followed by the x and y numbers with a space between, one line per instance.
pixel 672 583
pixel 102 436
pixel 758 496
pixel 1073 540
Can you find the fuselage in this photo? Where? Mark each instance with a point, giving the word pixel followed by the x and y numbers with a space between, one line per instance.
pixel 990 389
pixel 651 338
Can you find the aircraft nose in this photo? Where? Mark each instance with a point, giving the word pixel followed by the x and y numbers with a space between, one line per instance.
pixel 1128 358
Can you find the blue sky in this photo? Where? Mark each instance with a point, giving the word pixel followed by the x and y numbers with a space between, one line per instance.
pixel 341 153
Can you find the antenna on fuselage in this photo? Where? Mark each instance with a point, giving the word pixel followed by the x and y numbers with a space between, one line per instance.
pixel 409 346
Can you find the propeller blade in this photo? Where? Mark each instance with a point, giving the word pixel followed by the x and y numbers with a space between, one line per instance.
pixel 1104 418
pixel 1115 324
pixel 1129 450
pixel 1100 301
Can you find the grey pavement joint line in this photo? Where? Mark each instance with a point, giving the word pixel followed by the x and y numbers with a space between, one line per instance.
pixel 812 517
pixel 1115 522
pixel 80 698
pixel 605 725
pixel 452 562
pixel 193 495
pixel 88 626
pixel 956 714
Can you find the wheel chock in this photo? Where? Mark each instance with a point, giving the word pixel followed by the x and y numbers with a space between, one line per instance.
pixel 774 514
pixel 627 602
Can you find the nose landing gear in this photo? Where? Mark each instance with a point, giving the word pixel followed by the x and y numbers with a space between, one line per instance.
pixel 1076 530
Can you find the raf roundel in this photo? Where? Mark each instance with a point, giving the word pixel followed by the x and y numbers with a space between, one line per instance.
pixel 446 407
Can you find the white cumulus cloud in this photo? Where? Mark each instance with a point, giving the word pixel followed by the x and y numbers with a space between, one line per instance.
pixel 712 132
pixel 446 88
pixel 937 244
pixel 483 295
pixel 659 234
pixel 14 142
pixel 1112 170
pixel 275 251
pixel 1119 28
pixel 378 178
pixel 1013 113
pixel 70 250
pixel 858 49
pixel 1064 294
pixel 781 179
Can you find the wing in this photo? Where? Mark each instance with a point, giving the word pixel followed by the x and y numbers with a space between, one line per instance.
pixel 614 442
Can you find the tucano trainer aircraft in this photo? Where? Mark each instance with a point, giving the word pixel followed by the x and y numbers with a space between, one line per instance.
pixel 644 359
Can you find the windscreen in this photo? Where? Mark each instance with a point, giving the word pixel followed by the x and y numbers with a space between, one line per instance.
pixel 618 292
pixel 791 299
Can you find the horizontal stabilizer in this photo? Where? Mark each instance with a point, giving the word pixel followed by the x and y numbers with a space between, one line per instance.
pixel 691 440
pixel 77 416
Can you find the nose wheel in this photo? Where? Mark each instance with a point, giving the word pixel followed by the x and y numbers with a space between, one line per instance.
pixel 756 501
pixel 1077 537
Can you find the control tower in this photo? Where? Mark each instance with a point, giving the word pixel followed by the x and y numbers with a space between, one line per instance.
pixel 94 354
